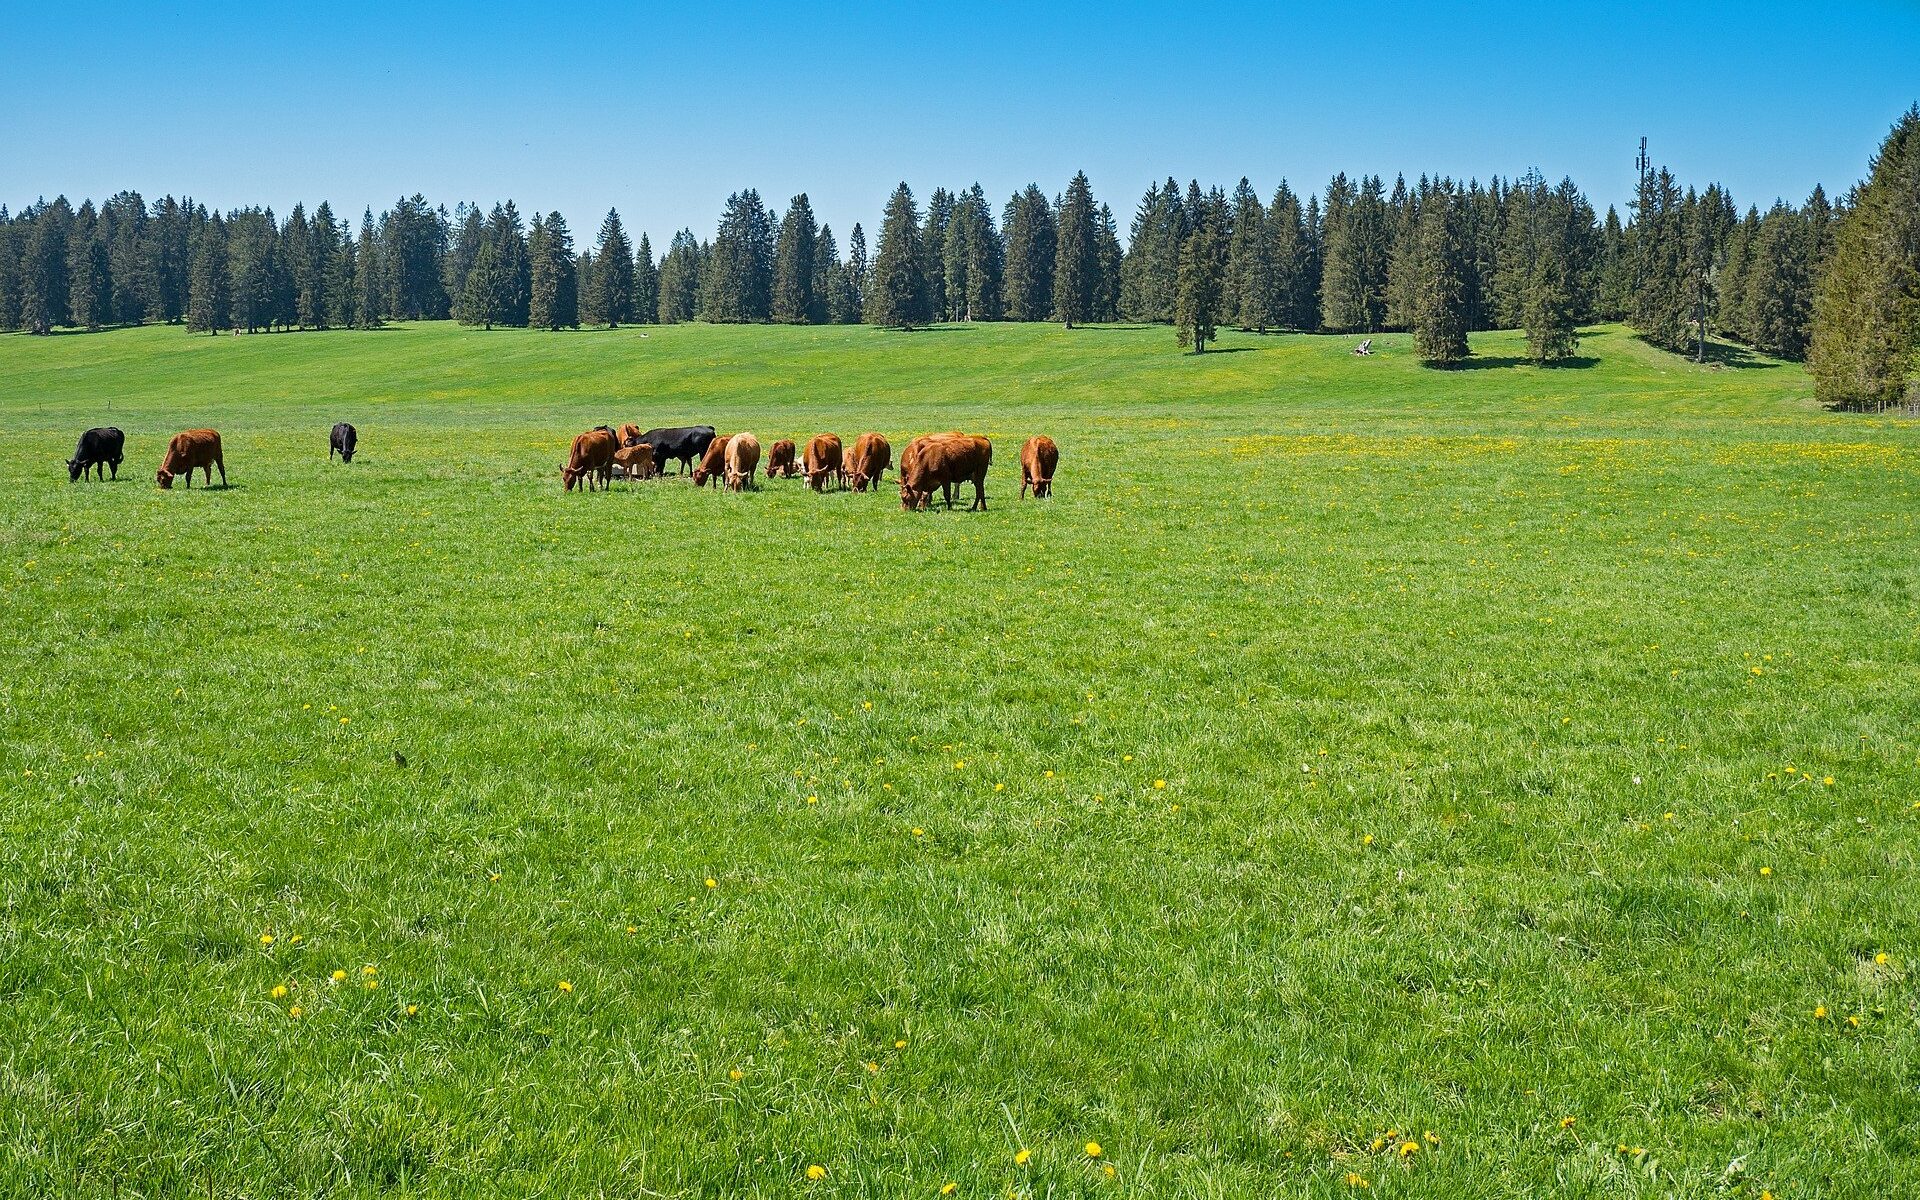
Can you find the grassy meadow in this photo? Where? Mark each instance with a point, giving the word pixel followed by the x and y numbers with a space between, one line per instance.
pixel 1515 765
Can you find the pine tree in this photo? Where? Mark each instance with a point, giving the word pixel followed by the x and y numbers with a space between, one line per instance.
pixel 1403 236
pixel 1866 322
pixel 1202 286
pixel 933 242
pixel 1662 300
pixel 316 302
pixel 897 296
pixel 1354 270
pixel 1252 287
pixel 1442 258
pixel 646 284
pixel 88 289
pixel 1076 262
pixel 547 264
pixel 1106 299
pixel 207 279
pixel 793 268
pixel 1150 274
pixel 736 280
pixel 679 279
pixel 1777 299
pixel 857 269
pixel 1027 281
pixel 1550 306
pixel 486 291
pixel 43 267
pixel 369 277
pixel 127 232
pixel 612 283
pixel 1290 260
pixel 470 229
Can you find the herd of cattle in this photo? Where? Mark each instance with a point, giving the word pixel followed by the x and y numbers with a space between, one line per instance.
pixel 933 461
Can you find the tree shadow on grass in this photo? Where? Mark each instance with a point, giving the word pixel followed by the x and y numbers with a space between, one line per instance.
pixel 929 329
pixel 1492 363
pixel 1725 355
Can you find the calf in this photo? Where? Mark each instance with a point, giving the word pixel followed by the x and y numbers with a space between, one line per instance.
pixel 590 459
pixel 1038 458
pixel 823 460
pixel 712 464
pixel 780 460
pixel 636 460
pixel 942 460
pixel 101 449
pixel 871 456
pixel 686 444
pixel 743 455
pixel 190 451
pixel 342 442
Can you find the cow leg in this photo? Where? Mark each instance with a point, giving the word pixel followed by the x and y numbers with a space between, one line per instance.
pixel 979 494
pixel 116 470
pixel 222 464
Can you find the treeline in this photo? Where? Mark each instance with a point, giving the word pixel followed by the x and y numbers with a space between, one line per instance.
pixel 1438 257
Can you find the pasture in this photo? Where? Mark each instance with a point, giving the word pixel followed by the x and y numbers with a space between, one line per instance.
pixel 1518 765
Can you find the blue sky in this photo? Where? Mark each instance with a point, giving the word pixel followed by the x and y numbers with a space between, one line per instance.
pixel 662 111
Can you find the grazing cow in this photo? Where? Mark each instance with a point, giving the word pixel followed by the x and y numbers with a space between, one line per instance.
pixel 1038 458
pixel 743 455
pixel 686 444
pixel 101 449
pixel 780 463
pixel 342 441
pixel 636 460
pixel 629 434
pixel 590 459
pixel 942 460
pixel 872 455
pixel 823 460
pixel 713 463
pixel 193 450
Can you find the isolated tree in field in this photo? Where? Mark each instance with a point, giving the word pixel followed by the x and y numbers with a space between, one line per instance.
pixel 1076 261
pixel 207 279
pixel 793 273
pixel 646 284
pixel 897 295
pixel 485 300
pixel 1866 321
pixel 1027 281
pixel 1202 286
pixel 613 273
pixel 1439 302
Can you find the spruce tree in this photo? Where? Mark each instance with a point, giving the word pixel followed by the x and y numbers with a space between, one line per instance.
pixel 1076 262
pixel 933 243
pixel 646 284
pixel 793 272
pixel 369 277
pixel 1202 286
pixel 897 296
pixel 1550 307
pixel 207 279
pixel 1866 322
pixel 485 299
pixel 680 279
pixel 1777 299
pixel 89 295
pixel 736 280
pixel 1289 259
pixel 1403 236
pixel 43 267
pixel 1662 299
pixel 1027 280
pixel 1439 301
pixel 613 273
pixel 1252 286
pixel 857 269
pixel 9 272
pixel 1106 299
pixel 826 257
pixel 543 276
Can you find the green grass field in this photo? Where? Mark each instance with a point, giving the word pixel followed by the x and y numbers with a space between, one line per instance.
pixel 1516 764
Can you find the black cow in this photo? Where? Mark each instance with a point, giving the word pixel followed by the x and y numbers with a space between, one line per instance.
pixel 685 443
pixel 345 437
pixel 102 448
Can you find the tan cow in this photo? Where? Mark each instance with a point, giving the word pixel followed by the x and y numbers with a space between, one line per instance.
pixel 636 460
pixel 743 455
pixel 942 460
pixel 1038 458
pixel 190 451
pixel 871 456
pixel 590 459
pixel 823 460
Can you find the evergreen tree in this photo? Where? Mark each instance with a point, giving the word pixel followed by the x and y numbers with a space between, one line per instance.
pixel 1661 300
pixel 736 280
pixel 315 302
pixel 469 230
pixel 1710 222
pixel 1866 321
pixel 973 257
pixel 1290 261
pixel 613 273
pixel 1027 280
pixel 1252 289
pixel 1777 301
pixel 169 234
pixel 646 284
pixel 1354 271
pixel 1615 286
pixel 680 279
pixel 793 266
pixel 1442 259
pixel 485 300
pixel 1403 225
pixel 1149 275
pixel 369 280
pixel 43 267
pixel 933 242
pixel 898 295
pixel 207 279
pixel 9 271
pixel 413 245
pixel 1551 304
pixel 554 299
pixel 857 269
pixel 592 300
pixel 1202 286
pixel 126 230
pixel 252 269
pixel 826 256
pixel 1106 299
pixel 89 295
pixel 1076 262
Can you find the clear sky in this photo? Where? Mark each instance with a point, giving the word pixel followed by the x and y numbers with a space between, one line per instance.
pixel 661 111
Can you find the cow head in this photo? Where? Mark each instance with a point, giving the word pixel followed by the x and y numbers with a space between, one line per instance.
pixel 568 477
pixel 700 476
pixel 911 498
pixel 346 453
pixel 163 477
pixel 73 469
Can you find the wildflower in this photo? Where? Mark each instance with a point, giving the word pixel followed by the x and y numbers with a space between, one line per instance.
pixel 1126 758
pixel 873 1068
pixel 1827 780
pixel 345 720
pixel 339 976
pixel 294 1012
pixel 295 940
pixel 901 1044
pixel 1367 840
pixel 1021 1156
pixel 1637 1151
pixel 1880 959
pixel 633 929
pixel 279 991
pixel 736 1074
pixel 372 983
pixel 1409 1149
pixel 1620 1149
pixel 1379 1144
pixel 494 877
pixel 1093 1149
pixel 1756 670
pixel 919 832
pixel 1566 1122
pixel 867 704
pixel 813 799
pixel 1819 1012
pixel 566 987
pixel 1107 1170
pixel 1433 1139
pixel 1355 1181
pixel 266 939
pixel 949 1188
pixel 711 883
pixel 959 766
pixel 1001 787
pixel 816 1172
pixel 413 1009
pixel 369 970
pixel 1666 816
pixel 1159 784
pixel 1853 1022
pixel 1766 872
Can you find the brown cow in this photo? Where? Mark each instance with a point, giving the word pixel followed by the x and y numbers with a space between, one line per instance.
pixel 872 455
pixel 942 460
pixel 780 460
pixel 713 464
pixel 823 460
pixel 1038 458
pixel 590 459
pixel 636 460
pixel 192 450
pixel 743 455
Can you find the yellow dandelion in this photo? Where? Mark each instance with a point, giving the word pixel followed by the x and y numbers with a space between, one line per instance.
pixel 1379 1144
pixel 1637 1151
pixel 339 977
pixel 295 940
pixel 1049 774
pixel 959 766
pixel 1093 1149
pixel 633 929
pixel 816 1172
pixel 873 1068
pixel 736 1074
pixel 1433 1139
pixel 1354 1180
pixel 1107 1170
pixel 1827 780
pixel 919 832
pixel 266 939
pixel 711 882
pixel 1819 1012
pixel 813 799
pixel 1001 787
pixel 901 1044
pixel 1620 1149
pixel 369 970
pixel 1566 1122
pixel 566 987
pixel 1159 783
pixel 1881 958
pixel 867 704
pixel 1021 1156
pixel 345 720
pixel 413 1010
pixel 1409 1149
pixel 1367 840
pixel 1854 1022
pixel 1756 670
pixel 294 1012
pixel 372 983
pixel 279 991
pixel 949 1188
pixel 1666 816
pixel 1766 872
pixel 493 877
